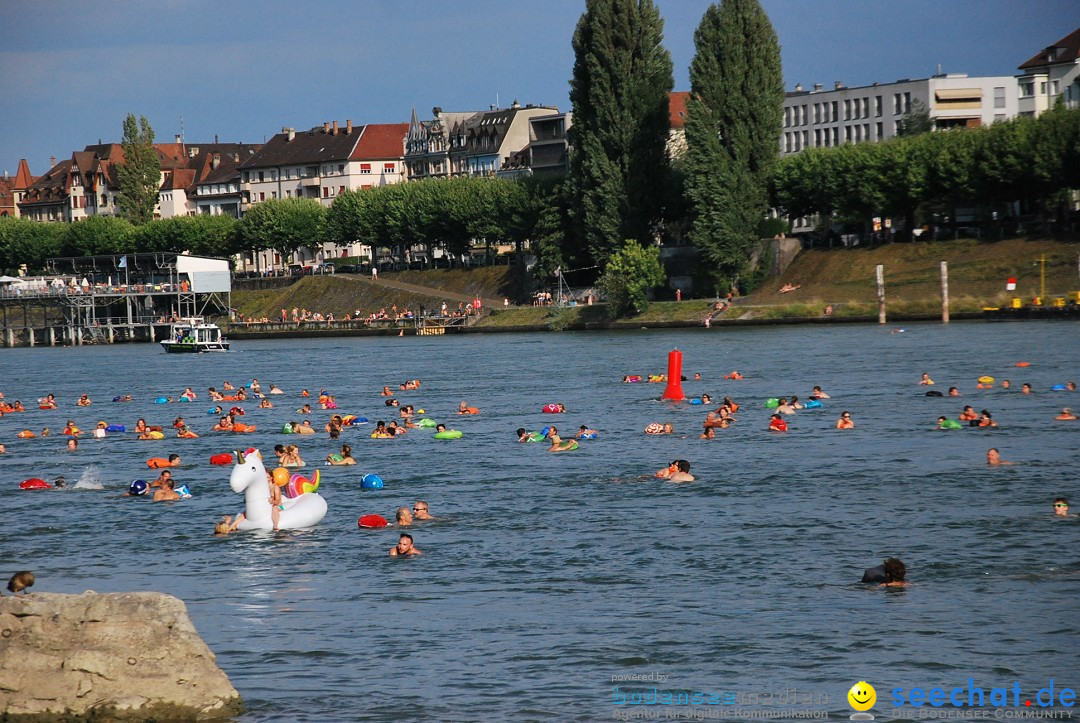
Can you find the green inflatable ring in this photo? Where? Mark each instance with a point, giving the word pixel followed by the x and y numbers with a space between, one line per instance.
pixel 772 403
pixel 448 434
pixel 425 422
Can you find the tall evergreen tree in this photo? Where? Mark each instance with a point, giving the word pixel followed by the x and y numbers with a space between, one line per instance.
pixel 139 175
pixel 733 126
pixel 619 92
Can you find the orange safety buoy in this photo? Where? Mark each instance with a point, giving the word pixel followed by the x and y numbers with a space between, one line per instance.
pixel 1023 364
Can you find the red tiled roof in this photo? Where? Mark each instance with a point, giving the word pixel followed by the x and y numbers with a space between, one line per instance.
pixel 23 179
pixel 381 140
pixel 677 107
pixel 1067 51
pixel 179 178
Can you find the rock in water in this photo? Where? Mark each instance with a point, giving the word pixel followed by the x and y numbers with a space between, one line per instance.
pixel 125 654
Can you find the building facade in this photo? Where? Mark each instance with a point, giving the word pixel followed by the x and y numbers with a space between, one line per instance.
pixel 1052 73
pixel 825 118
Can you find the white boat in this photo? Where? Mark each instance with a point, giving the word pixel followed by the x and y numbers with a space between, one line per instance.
pixel 194 334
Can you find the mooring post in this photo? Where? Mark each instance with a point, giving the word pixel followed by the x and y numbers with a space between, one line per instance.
pixel 944 292
pixel 881 293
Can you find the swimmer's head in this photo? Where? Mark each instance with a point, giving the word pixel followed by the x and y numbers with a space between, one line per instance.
pixel 895 570
pixel 520 432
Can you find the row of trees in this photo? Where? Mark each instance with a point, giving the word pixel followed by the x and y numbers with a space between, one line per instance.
pixel 1031 160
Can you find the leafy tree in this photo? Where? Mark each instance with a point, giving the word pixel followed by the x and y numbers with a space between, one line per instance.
pixel 23 241
pixel 283 224
pixel 630 274
pixel 733 126
pixel 916 121
pixel 99 236
pixel 619 92
pixel 139 175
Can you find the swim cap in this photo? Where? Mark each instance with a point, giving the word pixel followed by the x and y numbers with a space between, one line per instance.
pixel 138 487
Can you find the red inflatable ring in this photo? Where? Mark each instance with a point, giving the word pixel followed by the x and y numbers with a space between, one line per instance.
pixel 221 459
pixel 372 521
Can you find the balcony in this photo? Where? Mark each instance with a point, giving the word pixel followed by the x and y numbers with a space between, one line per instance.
pixel 309 181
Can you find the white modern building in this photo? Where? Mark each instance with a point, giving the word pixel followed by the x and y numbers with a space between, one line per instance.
pixel 825 118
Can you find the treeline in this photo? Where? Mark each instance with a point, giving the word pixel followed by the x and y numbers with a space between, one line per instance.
pixel 449 213
pixel 1033 161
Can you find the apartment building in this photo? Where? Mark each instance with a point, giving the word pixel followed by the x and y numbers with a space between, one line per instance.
pixel 824 118
pixel 1052 73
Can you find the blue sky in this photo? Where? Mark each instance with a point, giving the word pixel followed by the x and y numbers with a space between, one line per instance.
pixel 70 71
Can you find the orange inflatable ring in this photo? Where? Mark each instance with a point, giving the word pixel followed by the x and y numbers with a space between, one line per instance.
pixel 243 428
pixel 469 410
pixel 1023 364
pixel 26 434
pixel 157 463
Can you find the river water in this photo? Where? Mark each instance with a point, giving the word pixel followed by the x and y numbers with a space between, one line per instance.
pixel 547 579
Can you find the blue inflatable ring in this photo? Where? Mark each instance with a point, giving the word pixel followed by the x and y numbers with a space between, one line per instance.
pixel 371 482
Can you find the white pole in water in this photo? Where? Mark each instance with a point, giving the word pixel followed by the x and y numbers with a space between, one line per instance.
pixel 880 294
pixel 944 292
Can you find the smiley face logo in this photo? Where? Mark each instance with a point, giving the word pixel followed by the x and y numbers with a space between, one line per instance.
pixel 862 696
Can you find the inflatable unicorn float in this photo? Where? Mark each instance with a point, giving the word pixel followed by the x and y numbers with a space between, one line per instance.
pixel 301 506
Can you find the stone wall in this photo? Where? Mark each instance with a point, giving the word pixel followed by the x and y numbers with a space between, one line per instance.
pixel 125 654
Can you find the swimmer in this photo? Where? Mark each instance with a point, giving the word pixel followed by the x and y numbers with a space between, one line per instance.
pixel 275 500
pixel 584 431
pixel 946 423
pixel 391 402
pixel 732 406
pixel 228 524
pixel 969 414
pixel 393 427
pixel 818 394
pixel 557 444
pixel 954 392
pixel 381 432
pixel 49 402
pixel 777 423
pixel 174 461
pixel 186 433
pixel 735 374
pixel 166 493
pixel 165 476
pixel 677 471
pixel 523 435
pixel 657 428
pixel 1061 507
pixel 265 404
pixel 1025 388
pixel 224 424
pixel 404 548
pixel 305 393
pixel 1066 414
pixel 895 572
pixel 993 458
pixel 227 386
pixel 306 409
pixel 71 430
pixel 304 428
pixel 708 433
pixel 275 389
pixel 72 444
pixel 189 395
pixel 215 395
pixel 1005 384
pixel 291 458
pixel 926 380
pixel 697 376
pixel 344 458
pixel 420 511
pixel 403 517
pixel 1070 386
pixel 783 407
pixel 84 401
pixel 986 420
pixel 845 421
pixel 386 392
pixel 706 399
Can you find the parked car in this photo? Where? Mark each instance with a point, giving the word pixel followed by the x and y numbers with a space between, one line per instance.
pixel 324 269
pixel 348 269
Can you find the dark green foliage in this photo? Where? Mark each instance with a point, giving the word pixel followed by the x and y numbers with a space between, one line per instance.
pixel 29 242
pixel 619 92
pixel 99 235
pixel 199 235
pixel 283 224
pixel 630 274
pixel 916 121
pixel 139 175
pixel 733 126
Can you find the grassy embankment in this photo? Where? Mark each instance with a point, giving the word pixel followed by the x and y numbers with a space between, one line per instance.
pixel 841 277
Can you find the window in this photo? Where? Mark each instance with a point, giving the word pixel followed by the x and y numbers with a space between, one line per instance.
pixel 388 168
pixel 847 110
pixel 880 130
pixel 1042 88
pixel 877 106
pixel 805 139
pixel 262 196
pixel 835 111
pixel 787 117
pixel 246 178
pixel 341 189
pixel 341 168
pixel 366 168
pixel 817 112
pixel 273 175
pixel 273 194
pixel 897 107
pixel 999 117
pixel 817 136
pixel 865 107
pixel 260 176
pixel 907 102
pixel 1027 89
pixel 1054 87
pixel 999 97
pixel 325 192
pixel 805 115
pixel 847 134
pixel 787 143
pixel 866 131
pixel 288 173
pixel 288 194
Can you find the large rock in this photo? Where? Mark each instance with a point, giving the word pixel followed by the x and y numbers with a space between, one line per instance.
pixel 120 654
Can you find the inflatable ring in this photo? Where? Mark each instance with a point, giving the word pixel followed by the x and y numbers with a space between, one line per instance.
pixel 448 434
pixel 535 437
pixel 951 424
pixel 222 459
pixel 813 404
pixel 241 428
pixel 986 380
pixel 469 410
pixel 161 400
pixel 212 410
pixel 772 403
pixel 158 463
pixel 426 423
pixel 45 406
pixel 34 483
pixel 369 522
pixel 550 409
pixel 371 482
pixel 586 436
pixel 154 434
pixel 26 434
pixel 116 428
pixel 1023 364
pixel 1058 388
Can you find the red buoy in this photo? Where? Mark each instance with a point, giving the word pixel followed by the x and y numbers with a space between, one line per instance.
pixel 34 483
pixel 674 376
pixel 372 521
pixel 221 459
